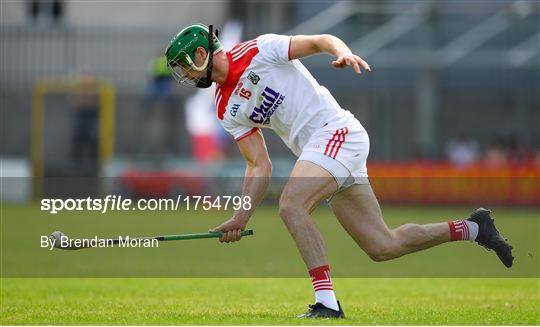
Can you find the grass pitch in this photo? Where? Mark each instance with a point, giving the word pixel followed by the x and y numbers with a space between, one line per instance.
pixel 259 297
pixel 267 301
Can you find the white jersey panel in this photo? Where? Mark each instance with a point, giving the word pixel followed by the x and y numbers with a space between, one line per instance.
pixel 265 89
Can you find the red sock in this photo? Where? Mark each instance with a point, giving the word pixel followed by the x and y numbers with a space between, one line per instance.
pixel 459 230
pixel 322 284
pixel 320 278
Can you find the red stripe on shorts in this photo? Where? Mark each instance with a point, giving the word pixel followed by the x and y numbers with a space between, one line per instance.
pixel 342 140
pixel 330 141
pixel 337 141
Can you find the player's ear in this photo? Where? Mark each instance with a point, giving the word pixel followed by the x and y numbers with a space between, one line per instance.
pixel 200 56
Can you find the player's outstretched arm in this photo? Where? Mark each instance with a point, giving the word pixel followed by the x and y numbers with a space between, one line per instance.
pixel 306 45
pixel 257 177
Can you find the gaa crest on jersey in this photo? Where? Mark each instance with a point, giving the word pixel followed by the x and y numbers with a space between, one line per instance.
pixel 269 102
pixel 254 78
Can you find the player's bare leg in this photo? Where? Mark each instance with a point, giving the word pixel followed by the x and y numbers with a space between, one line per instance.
pixel 358 211
pixel 308 185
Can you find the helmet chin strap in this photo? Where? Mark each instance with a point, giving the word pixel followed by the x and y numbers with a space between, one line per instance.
pixel 209 62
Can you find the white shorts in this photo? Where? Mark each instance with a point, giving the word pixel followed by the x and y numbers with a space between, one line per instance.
pixel 342 150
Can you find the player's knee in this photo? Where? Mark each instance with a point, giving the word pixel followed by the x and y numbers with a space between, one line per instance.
pixel 379 256
pixel 382 253
pixel 288 209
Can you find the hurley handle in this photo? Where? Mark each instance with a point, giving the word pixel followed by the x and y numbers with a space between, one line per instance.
pixel 196 236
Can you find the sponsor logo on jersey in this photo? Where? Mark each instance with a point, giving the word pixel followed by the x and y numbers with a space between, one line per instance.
pixel 254 78
pixel 269 102
pixel 234 109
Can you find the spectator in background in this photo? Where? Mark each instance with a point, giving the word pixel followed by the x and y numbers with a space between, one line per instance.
pixel 496 154
pixel 508 150
pixel 46 12
pixel 462 151
pixel 160 87
pixel 85 143
pixel 202 127
pixel 159 99
pixel 519 152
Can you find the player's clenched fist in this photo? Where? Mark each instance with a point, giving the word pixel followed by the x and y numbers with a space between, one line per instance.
pixel 231 229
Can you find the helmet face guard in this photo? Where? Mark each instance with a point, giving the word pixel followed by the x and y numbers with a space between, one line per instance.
pixel 181 54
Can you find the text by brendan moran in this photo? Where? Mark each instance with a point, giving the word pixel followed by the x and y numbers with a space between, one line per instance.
pixel 95 242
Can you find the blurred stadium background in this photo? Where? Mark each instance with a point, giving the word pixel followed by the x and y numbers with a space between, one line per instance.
pixel 454 92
